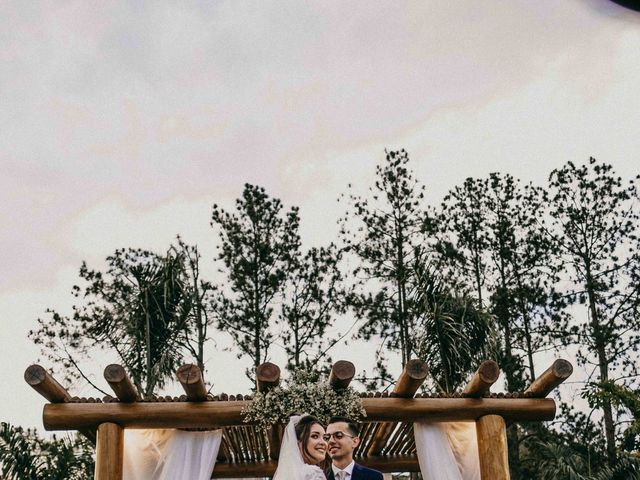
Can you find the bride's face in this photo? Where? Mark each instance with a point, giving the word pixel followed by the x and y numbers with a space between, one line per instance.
pixel 316 447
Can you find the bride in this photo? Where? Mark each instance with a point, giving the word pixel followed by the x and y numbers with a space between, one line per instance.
pixel 303 450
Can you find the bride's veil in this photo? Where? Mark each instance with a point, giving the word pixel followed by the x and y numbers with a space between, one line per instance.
pixel 290 460
pixel 291 466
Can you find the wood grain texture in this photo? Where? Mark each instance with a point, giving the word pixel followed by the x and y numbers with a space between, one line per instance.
pixel 109 452
pixel 553 376
pixel 486 375
pixel 120 383
pixel 492 448
pixel 47 386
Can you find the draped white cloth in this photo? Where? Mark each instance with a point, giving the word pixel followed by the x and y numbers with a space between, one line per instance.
pixel 170 454
pixel 447 451
pixel 291 466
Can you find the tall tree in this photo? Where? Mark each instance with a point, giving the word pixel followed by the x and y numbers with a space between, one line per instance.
pixel 199 313
pixel 595 215
pixel 312 297
pixel 139 308
pixel 259 245
pixel 385 231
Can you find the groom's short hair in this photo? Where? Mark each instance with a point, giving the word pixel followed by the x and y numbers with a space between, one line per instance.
pixel 354 428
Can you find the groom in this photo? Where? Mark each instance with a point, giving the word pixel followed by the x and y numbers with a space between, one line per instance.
pixel 342 438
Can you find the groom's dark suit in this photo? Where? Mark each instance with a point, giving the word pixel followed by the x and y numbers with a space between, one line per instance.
pixel 359 473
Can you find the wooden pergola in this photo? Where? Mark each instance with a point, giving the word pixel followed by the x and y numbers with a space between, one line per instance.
pixel 387 440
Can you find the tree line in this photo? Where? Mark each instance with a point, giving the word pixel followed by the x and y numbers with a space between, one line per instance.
pixel 500 269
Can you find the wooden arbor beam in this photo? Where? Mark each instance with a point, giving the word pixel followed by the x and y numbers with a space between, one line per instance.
pixel 342 372
pixel 553 376
pixel 414 374
pixel 267 378
pixel 75 416
pixel 386 464
pixel 480 384
pixel 47 386
pixel 119 381
pixel 190 378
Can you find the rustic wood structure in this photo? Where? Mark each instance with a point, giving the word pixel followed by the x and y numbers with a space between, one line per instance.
pixel 387 440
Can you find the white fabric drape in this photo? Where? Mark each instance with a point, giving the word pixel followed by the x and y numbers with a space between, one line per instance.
pixel 170 454
pixel 447 451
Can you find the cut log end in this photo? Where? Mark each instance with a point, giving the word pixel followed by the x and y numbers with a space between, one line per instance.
pixel 189 374
pixel 562 368
pixel 35 375
pixel 342 373
pixel 267 376
pixel 268 372
pixel 417 369
pixel 489 371
pixel 114 373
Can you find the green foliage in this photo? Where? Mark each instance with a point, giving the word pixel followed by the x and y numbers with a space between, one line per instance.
pixel 25 456
pixel 452 335
pixel 304 393
pixel 312 296
pixel 596 218
pixel 386 233
pixel 140 307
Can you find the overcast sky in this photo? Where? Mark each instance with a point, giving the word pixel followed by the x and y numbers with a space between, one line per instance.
pixel 121 123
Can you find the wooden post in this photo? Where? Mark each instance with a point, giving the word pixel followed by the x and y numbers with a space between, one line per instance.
pixel 109 452
pixel 492 448
pixel 190 377
pixel 486 375
pixel 414 374
pixel 550 379
pixel 342 373
pixel 120 383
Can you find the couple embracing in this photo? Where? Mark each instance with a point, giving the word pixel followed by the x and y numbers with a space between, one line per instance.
pixel 306 443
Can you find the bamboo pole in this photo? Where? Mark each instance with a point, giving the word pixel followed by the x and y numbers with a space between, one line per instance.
pixel 74 416
pixel 47 386
pixel 342 372
pixel 414 374
pixel 386 464
pixel 119 381
pixel 109 452
pixel 267 376
pixel 190 377
pixel 553 376
pixel 492 448
pixel 486 375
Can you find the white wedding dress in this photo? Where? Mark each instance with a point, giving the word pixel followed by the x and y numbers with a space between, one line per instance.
pixel 291 466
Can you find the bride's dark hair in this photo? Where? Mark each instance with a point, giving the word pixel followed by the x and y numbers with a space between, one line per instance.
pixel 303 431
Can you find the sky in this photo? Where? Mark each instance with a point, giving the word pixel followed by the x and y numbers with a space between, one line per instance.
pixel 121 123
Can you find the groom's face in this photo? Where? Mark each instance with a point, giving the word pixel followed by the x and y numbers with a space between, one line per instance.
pixel 341 449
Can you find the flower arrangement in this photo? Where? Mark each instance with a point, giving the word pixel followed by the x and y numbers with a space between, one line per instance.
pixel 304 393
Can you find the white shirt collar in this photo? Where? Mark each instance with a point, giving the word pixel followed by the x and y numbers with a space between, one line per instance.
pixel 348 468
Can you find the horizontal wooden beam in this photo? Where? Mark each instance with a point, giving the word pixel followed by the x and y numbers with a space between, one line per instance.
pixel 74 416
pixel 390 464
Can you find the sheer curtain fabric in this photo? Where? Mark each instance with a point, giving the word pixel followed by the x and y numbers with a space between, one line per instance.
pixel 447 451
pixel 170 454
